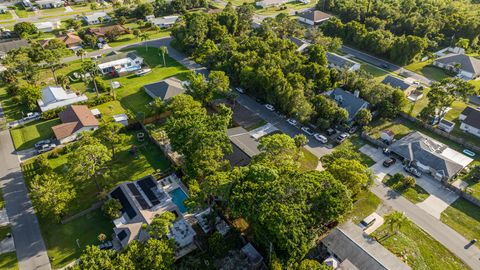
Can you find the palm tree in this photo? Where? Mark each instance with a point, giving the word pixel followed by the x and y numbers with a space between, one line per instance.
pixel 80 53
pixel 62 80
pixel 163 50
pixel 395 219
pixel 144 37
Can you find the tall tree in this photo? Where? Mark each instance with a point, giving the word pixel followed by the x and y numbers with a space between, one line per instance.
pixel 90 67
pixel 162 51
pixel 109 133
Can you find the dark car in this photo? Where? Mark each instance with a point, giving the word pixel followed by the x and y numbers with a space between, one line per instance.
pixel 330 131
pixel 389 162
pixel 413 171
pixel 105 245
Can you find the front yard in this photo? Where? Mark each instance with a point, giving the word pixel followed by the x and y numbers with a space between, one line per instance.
pixel 426 69
pixel 418 249
pixel 365 204
pixel 26 136
pixel 463 217
pixel 414 194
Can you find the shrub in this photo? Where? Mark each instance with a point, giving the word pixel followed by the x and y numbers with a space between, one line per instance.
pixel 55 153
pixel 409 181
pixel 102 86
pixel 52 113
pixel 99 100
pixel 111 208
pixel 217 245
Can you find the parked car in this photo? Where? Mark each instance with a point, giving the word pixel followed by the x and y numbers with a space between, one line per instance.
pixel 368 221
pixel 42 142
pixel 31 115
pixel 353 129
pixel 105 245
pixel 320 138
pixel 413 171
pixel 46 147
pixel 307 130
pixel 270 107
pixel 389 162
pixel 384 65
pixel 240 90
pixel 331 131
pixel 292 121
pixel 386 151
pixel 342 137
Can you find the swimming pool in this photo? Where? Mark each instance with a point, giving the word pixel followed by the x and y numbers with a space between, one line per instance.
pixel 178 197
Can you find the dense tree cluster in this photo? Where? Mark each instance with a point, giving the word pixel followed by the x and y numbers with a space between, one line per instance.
pixel 439 23
pixel 400 49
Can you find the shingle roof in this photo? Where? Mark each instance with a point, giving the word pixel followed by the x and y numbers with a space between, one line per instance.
pixel 315 15
pixel 396 82
pixel 73 119
pixel 339 60
pixel 421 148
pixel 165 89
pixel 243 140
pixel 101 31
pixel 467 63
pixel 70 38
pixel 472 117
pixel 118 56
pixel 348 101
pixel 12 44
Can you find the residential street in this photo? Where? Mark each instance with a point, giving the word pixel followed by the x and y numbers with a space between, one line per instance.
pixel 31 251
pixel 385 65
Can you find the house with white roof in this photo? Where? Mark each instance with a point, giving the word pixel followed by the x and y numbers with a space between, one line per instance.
pixel 120 63
pixel 94 18
pixel 44 4
pixel 271 3
pixel 163 22
pixel 46 27
pixel 55 97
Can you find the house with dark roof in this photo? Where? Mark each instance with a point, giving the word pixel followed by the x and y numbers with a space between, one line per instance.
pixel 313 17
pixel 470 118
pixel 142 201
pixel 120 63
pixel 244 146
pixel 301 44
pixel 165 89
pixel 101 32
pixel 349 101
pixel 75 120
pixel 399 83
pixel 446 125
pixel 340 62
pixel 6 46
pixel 71 40
pixel 430 156
pixel 349 245
pixel 466 67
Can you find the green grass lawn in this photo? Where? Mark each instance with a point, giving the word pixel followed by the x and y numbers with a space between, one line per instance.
pixel 427 70
pixel 292 6
pixel 4 230
pixel 241 2
pixel 365 204
pixel 61 239
pixel 2 201
pixel 52 11
pixel 130 38
pixel 378 73
pixel 25 137
pixel 8 261
pixel 418 249
pixel 398 128
pixel 355 143
pixel 12 107
pixel 309 161
pixel 416 194
pixel 21 12
pixel 463 217
pixel 5 16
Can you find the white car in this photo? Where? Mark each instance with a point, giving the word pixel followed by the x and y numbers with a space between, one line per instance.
pixel 46 147
pixel 240 90
pixel 307 130
pixel 320 138
pixel 31 115
pixel 270 107
pixel 292 122
pixel 342 137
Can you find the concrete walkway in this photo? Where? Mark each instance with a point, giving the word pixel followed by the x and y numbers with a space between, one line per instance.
pixel 7 245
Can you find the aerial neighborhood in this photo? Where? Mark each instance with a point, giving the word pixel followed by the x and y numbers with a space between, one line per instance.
pixel 252 134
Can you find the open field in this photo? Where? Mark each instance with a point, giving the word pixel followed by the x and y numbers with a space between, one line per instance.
pixel 418 249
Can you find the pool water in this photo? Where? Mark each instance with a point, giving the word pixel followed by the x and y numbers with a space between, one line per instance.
pixel 178 197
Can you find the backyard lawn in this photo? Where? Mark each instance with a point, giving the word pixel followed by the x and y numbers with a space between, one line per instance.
pixel 427 70
pixel 463 217
pixel 414 194
pixel 308 161
pixel 365 204
pixel 8 261
pixel 61 239
pixel 25 137
pixel 419 250
pixel 397 128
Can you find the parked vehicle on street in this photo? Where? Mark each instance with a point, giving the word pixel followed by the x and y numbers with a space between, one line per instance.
pixel 342 137
pixel 240 90
pixel 413 171
pixel 307 130
pixel 331 131
pixel 31 116
pixel 45 148
pixel 389 162
pixel 41 143
pixel 270 107
pixel 353 129
pixel 292 121
pixel 320 138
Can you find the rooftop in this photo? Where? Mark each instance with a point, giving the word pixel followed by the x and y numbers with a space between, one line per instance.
pixel 315 15
pixel 55 96
pixel 101 31
pixel 467 63
pixel 472 117
pixel 396 82
pixel 74 118
pixel 165 89
pixel 243 140
pixel 339 61
pixel 9 45
pixel 348 101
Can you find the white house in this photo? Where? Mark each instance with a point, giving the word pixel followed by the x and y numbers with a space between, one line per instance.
pixel 55 96
pixel 470 118
pixel 466 67
pixel 46 27
pixel 94 18
pixel 271 3
pixel 446 125
pixel 44 4
pixel 163 22
pixel 340 62
pixel 120 63
pixel 75 120
pixel 313 17
pixel 121 119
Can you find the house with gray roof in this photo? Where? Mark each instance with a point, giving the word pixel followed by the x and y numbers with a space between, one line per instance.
pixel 470 118
pixel 430 156
pixel 165 89
pixel 397 82
pixel 244 146
pixel 355 250
pixel 301 44
pixel 9 45
pixel 340 62
pixel 466 67
pixel 313 17
pixel 349 101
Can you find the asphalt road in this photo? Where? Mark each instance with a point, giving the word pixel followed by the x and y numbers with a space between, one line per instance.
pixel 386 65
pixel 30 248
